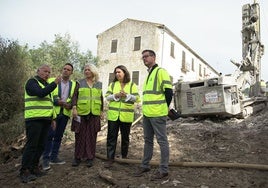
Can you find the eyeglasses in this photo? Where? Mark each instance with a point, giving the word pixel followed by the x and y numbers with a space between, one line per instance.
pixel 145 56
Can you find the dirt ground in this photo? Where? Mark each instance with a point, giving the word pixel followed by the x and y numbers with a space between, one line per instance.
pixel 192 142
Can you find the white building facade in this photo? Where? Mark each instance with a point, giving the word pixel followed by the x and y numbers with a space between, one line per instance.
pixel 123 44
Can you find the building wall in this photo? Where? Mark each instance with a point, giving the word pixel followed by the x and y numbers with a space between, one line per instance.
pixel 174 64
pixel 153 36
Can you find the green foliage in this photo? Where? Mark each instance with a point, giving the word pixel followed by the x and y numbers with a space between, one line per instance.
pixel 13 58
pixel 18 63
pixel 12 128
pixel 62 50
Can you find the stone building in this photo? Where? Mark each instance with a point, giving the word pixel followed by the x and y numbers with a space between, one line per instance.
pixel 124 42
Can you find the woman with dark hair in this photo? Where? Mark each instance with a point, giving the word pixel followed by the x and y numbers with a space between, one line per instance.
pixel 122 95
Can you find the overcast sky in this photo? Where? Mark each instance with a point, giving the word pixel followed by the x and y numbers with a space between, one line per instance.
pixel 212 28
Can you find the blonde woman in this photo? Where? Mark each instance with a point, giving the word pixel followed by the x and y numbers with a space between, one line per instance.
pixel 87 110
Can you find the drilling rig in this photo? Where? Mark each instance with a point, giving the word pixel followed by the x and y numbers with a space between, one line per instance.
pixel 235 95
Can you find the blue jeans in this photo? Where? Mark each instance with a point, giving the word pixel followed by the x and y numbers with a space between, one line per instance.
pixel 54 138
pixel 155 126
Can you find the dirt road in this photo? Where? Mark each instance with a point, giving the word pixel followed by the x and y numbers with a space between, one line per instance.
pixel 191 141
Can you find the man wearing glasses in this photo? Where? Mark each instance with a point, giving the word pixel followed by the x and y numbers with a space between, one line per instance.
pixel 157 96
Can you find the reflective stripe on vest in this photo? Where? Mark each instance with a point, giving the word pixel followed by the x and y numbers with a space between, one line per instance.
pixel 36 107
pixel 154 102
pixel 121 109
pixel 89 99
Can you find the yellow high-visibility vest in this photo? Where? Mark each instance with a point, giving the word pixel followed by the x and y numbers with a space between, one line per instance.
pixel 89 99
pixel 55 95
pixel 122 109
pixel 154 103
pixel 36 107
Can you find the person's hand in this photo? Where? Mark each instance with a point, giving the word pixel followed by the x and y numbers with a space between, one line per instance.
pixel 61 102
pixel 102 116
pixel 74 112
pixel 53 125
pixel 123 94
pixel 67 105
pixel 57 79
pixel 117 95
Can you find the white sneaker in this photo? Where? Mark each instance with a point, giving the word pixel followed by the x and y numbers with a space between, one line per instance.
pixel 57 161
pixel 46 165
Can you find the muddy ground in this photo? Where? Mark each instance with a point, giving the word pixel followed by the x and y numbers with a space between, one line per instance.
pixel 193 142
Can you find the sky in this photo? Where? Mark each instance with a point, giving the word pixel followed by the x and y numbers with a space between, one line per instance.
pixel 212 28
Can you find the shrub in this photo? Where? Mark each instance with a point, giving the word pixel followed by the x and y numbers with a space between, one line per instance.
pixel 12 78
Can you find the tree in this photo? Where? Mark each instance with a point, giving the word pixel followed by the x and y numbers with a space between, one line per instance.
pixel 13 60
pixel 19 62
pixel 62 50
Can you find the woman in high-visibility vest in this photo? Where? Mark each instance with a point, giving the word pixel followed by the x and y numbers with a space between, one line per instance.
pixel 122 95
pixel 87 112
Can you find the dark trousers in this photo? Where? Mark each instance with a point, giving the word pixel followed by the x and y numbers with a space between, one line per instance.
pixel 113 129
pixel 36 134
pixel 54 138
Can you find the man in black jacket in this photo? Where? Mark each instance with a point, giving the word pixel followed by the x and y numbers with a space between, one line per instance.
pixel 38 117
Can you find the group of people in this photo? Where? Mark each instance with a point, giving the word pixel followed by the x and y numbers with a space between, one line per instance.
pixel 50 102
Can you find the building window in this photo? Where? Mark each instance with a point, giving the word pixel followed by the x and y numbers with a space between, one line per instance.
pixel 192 64
pixel 135 77
pixel 111 78
pixel 200 70
pixel 137 43
pixel 114 46
pixel 183 63
pixel 205 74
pixel 172 45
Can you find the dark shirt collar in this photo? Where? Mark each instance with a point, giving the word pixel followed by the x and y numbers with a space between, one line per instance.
pixel 41 80
pixel 152 68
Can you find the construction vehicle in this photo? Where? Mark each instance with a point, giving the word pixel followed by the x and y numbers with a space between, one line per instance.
pixel 234 95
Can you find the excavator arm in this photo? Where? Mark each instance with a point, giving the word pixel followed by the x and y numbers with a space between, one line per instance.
pixel 252 49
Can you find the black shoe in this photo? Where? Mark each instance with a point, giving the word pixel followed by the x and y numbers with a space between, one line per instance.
pixel 141 171
pixel 159 176
pixel 109 163
pixel 76 162
pixel 26 176
pixel 38 172
pixel 89 163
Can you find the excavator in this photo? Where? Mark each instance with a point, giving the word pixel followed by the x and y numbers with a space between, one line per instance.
pixel 234 95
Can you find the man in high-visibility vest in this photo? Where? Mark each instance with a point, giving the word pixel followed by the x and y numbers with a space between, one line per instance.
pixel 157 96
pixel 62 99
pixel 38 118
